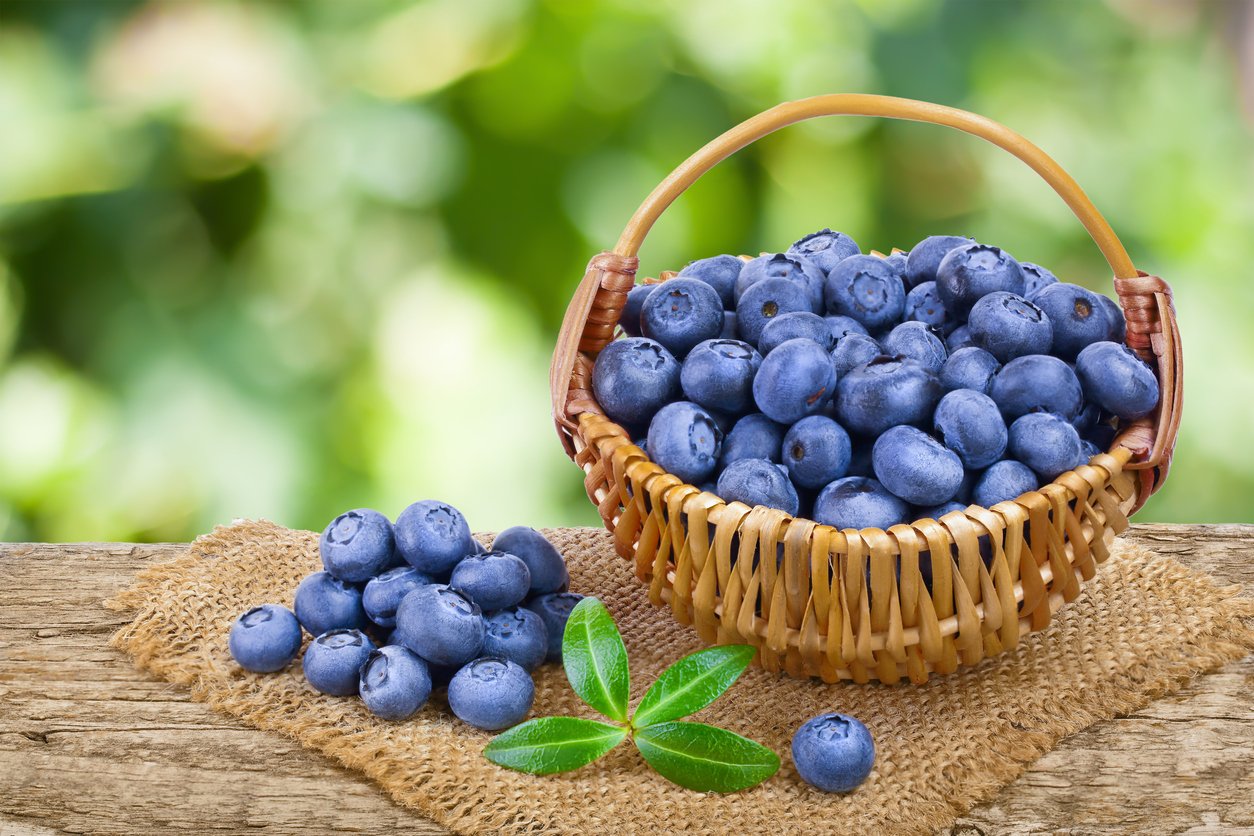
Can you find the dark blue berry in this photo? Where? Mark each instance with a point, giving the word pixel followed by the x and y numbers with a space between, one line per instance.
pixel 1037 383
pixel 972 271
pixel 869 290
pixel 859 502
pixel 333 661
pixel 441 624
pixel 494 580
pixel 681 313
pixel 833 752
pixel 816 451
pixel 685 441
pixel 630 319
pixel 969 368
pixel 544 561
pixel 841 326
pixel 796 325
pixel 1113 376
pixel 517 634
pixel 825 248
pixel 491 694
pixel 923 304
pixel 433 536
pixel 383 594
pixel 1008 326
pixel 1047 443
pixel 853 351
pixel 1077 316
pixel 884 393
pixel 916 467
pixel 326 603
pixel 1035 278
pixel 958 339
pixel 265 639
pixel 718 375
pixel 754 436
pixel 796 379
pixel 554 610
pixel 357 545
pixel 917 341
pixel 766 300
pixel 719 272
pixel 633 379
pixel 796 271
pixel 394 683
pixel 1002 482
pixel 970 424
pixel 758 482
pixel 925 257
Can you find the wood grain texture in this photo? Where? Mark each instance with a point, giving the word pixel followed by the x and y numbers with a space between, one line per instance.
pixel 88 744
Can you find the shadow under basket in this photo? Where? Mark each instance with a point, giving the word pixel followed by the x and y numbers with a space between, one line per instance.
pixel 874 604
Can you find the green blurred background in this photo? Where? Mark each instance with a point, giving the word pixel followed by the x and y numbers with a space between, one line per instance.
pixel 268 259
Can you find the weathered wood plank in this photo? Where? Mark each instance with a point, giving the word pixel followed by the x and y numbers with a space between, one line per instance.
pixel 90 745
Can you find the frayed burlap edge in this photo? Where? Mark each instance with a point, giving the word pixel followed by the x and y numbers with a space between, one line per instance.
pixel 175 620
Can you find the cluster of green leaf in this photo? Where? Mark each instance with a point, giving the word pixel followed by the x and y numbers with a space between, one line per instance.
pixel 694 755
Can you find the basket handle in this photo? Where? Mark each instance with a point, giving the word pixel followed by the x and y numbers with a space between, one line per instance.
pixel 595 308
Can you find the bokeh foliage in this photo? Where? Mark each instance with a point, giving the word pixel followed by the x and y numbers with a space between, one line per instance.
pixel 263 259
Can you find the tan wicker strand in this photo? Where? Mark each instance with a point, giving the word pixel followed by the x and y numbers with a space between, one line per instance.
pixel 897 605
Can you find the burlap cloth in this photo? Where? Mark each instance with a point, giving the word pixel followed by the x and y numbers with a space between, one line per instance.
pixel 1141 628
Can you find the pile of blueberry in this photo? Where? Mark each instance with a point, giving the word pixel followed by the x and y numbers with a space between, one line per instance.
pixel 399 610
pixel 864 390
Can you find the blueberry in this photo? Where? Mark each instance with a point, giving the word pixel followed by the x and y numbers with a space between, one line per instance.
pixel 1088 417
pixel 1002 482
pixel 833 752
pixel 852 351
pixel 1118 332
pixel 1046 443
pixel 766 300
pixel 544 561
pixel 494 580
pixel 923 304
pixel 970 424
pixel 969 368
pixel 869 290
pixel 1009 326
pixel 517 634
pixel 915 466
pixel 935 512
pixel 897 261
pixel 1035 278
pixel 753 437
pixel 1037 383
pixel 825 248
pixel 758 482
pixel 885 392
pixel 681 313
pixel 917 341
pixel 630 318
pixel 1089 449
pixel 433 536
pixel 972 271
pixel 959 338
pixel 816 451
pixel 633 379
pixel 383 594
pixel 554 609
pixel 441 624
pixel 327 603
pixel 842 326
pixel 796 379
pixel 1077 315
pixel 357 545
pixel 265 639
pixel 796 271
pixel 719 272
pixel 333 660
pixel 925 257
pixel 491 694
pixel 730 330
pixel 718 374
pixel 796 325
pixel 685 441
pixel 1113 376
pixel 858 502
pixel 394 683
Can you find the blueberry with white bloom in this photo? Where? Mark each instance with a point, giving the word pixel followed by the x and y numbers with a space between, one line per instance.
pixel 433 536
pixel 383 594
pixel 333 661
pixel 326 603
pixel 719 272
pixel 491 694
pixel 394 683
pixel 441 624
pixel 544 561
pixel 833 752
pixel 265 639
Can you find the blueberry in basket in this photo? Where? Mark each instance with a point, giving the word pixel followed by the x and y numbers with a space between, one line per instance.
pixel 866 390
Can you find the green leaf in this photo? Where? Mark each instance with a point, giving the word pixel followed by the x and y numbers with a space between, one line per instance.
pixel 705 758
pixel 692 683
pixel 553 744
pixel 595 659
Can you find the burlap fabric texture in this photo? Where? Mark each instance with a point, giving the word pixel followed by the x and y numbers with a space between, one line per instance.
pixel 1141 628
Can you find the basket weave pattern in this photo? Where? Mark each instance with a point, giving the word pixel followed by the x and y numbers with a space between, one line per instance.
pixel 848 604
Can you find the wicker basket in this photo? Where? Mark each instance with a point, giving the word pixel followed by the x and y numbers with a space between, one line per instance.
pixel 818 611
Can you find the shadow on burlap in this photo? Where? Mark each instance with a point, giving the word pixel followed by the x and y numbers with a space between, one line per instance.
pixel 1142 627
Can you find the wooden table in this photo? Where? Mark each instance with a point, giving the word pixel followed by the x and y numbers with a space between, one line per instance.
pixel 88 744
